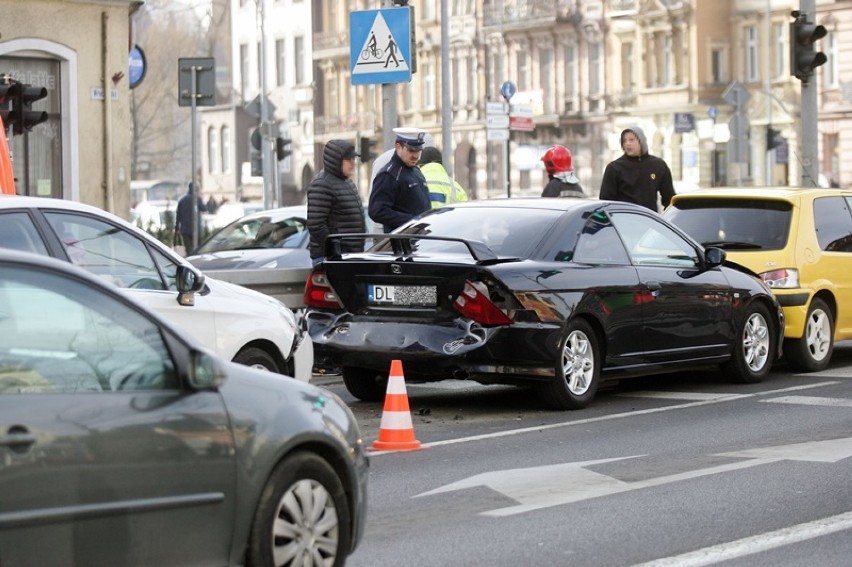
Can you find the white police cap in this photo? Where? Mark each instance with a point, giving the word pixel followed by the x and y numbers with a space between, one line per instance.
pixel 412 138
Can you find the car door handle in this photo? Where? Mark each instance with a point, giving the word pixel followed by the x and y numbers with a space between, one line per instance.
pixel 17 437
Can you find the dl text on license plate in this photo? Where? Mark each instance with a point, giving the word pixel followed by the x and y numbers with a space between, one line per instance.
pixel 402 295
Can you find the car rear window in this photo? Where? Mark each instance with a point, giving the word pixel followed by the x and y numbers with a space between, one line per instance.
pixel 509 232
pixel 833 224
pixel 734 224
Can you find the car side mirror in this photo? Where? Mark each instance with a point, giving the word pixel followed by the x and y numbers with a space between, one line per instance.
pixel 714 257
pixel 189 280
pixel 206 372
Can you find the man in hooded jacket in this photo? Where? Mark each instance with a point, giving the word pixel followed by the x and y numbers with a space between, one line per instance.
pixel 334 205
pixel 637 177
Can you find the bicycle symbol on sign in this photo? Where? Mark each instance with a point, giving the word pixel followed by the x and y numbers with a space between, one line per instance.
pixel 372 50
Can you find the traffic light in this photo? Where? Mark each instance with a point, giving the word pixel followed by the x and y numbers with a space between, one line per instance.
pixel 365 149
pixel 281 149
pixel 773 138
pixel 22 116
pixel 804 57
pixel 8 92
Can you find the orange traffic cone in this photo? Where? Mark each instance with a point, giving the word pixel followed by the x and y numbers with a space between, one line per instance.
pixel 396 432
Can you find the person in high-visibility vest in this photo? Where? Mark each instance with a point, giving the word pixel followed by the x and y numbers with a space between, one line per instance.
pixel 443 189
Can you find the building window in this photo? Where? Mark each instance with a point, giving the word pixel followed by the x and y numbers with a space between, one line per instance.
pixel 408 97
pixel 244 71
pixel 280 62
pixel 595 69
pixel 212 150
pixel 332 95
pixel 428 11
pixel 718 70
pixel 497 74
pixel 523 69
pixel 545 57
pixel 226 149
pixel 571 79
pixel 829 70
pixel 667 74
pixel 627 67
pixel 779 49
pixel 472 96
pixel 429 85
pixel 299 54
pixel 751 62
pixel 259 61
pixel 456 80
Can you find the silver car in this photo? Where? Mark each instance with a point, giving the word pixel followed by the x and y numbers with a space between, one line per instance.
pixel 124 442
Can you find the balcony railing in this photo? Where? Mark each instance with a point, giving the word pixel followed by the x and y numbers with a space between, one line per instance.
pixel 335 124
pixel 522 11
pixel 337 39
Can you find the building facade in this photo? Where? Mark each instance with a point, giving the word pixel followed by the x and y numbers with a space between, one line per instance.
pixel 83 151
pixel 590 68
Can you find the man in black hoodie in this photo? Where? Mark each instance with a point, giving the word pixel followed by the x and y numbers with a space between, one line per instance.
pixel 637 177
pixel 334 205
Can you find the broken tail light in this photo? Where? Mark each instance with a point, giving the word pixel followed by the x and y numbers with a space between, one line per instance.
pixel 319 293
pixel 474 303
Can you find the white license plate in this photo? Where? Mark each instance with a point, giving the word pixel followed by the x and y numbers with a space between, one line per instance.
pixel 420 295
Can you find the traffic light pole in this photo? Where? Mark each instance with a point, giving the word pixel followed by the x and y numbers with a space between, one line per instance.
pixel 808 138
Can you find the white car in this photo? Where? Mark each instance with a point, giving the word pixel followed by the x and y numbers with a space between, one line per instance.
pixel 237 323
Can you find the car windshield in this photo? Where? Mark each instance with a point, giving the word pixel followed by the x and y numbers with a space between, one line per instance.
pixel 734 224
pixel 508 232
pixel 258 232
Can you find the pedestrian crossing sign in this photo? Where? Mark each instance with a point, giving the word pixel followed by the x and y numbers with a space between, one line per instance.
pixel 380 46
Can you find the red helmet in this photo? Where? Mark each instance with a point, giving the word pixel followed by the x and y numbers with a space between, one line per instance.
pixel 557 159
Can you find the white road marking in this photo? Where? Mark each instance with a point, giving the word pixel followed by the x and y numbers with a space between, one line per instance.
pixel 811 401
pixel 615 416
pixel 756 544
pixel 534 488
pixel 683 395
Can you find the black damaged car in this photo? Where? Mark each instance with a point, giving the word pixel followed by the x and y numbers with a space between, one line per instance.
pixel 557 294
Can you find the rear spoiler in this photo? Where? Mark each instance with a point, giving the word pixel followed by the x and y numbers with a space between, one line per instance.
pixel 402 244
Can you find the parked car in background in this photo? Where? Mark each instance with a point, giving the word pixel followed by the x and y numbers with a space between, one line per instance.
pixel 154 216
pixel 277 238
pixel 237 323
pixel 124 442
pixel 266 251
pixel 559 294
pixel 799 241
pixel 230 211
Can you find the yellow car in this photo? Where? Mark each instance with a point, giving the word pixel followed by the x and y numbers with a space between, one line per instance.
pixel 800 243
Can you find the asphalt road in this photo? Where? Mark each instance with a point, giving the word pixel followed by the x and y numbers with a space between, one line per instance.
pixel 670 470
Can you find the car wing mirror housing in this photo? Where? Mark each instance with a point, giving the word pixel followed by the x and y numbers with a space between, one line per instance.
pixel 206 371
pixel 188 281
pixel 714 257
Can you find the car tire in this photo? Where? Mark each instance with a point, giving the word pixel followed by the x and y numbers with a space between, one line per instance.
pixel 303 516
pixel 257 358
pixel 812 352
pixel 578 369
pixel 365 384
pixel 754 348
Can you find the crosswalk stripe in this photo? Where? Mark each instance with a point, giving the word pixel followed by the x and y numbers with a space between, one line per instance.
pixel 811 401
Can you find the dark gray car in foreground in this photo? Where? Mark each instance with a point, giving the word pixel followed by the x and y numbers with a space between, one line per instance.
pixel 122 442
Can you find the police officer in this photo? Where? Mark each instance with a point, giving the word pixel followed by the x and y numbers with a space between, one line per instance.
pixel 399 191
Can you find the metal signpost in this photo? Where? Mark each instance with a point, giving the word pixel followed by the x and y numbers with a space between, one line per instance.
pixel 508 90
pixel 196 87
pixel 737 96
